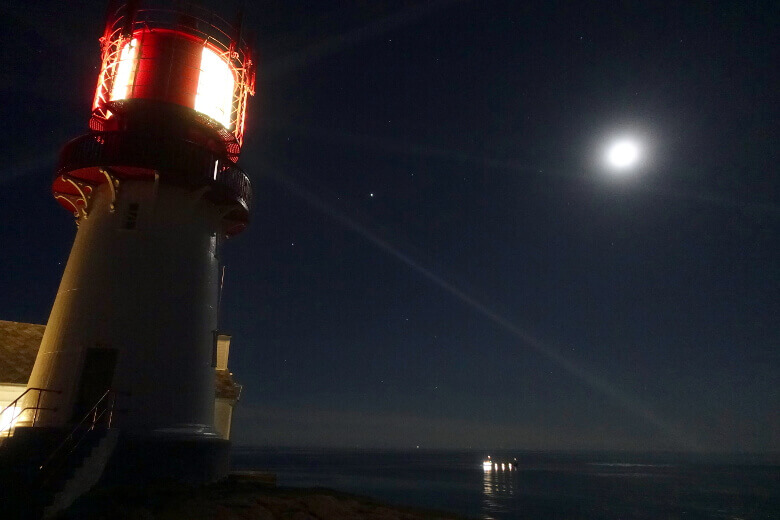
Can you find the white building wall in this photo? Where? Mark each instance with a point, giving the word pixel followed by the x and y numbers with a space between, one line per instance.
pixel 9 392
pixel 223 416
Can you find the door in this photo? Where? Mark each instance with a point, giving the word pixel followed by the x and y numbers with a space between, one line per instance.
pixel 97 375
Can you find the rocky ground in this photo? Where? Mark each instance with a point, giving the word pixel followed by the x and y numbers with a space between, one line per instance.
pixel 237 499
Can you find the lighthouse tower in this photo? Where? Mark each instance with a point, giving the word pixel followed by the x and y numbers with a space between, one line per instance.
pixel 155 188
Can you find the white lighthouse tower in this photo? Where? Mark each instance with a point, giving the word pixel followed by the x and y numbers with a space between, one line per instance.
pixel 155 187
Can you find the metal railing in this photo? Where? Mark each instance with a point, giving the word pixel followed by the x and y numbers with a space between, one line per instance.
pixel 101 413
pixel 178 160
pixel 13 406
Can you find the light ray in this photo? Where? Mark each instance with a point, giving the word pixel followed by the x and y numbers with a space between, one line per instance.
pixel 348 39
pixel 625 401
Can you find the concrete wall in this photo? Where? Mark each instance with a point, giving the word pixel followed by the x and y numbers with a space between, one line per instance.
pixel 149 291
pixel 223 416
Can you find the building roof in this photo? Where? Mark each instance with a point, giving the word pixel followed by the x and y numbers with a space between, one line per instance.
pixel 19 343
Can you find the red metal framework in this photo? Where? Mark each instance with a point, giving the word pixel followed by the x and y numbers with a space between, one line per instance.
pixel 130 22
pixel 177 115
pixel 112 157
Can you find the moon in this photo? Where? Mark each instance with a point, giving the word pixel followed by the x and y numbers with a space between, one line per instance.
pixel 623 154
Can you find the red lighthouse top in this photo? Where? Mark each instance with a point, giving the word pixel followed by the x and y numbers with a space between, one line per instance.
pixel 192 58
pixel 170 106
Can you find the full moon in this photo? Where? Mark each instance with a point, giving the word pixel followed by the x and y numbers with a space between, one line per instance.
pixel 622 154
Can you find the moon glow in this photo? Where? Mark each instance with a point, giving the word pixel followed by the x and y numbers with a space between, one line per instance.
pixel 622 154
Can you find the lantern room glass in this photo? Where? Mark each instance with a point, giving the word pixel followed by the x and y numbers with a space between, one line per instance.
pixel 216 83
pixel 215 88
pixel 125 68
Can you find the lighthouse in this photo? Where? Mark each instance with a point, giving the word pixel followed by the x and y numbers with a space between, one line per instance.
pixel 155 186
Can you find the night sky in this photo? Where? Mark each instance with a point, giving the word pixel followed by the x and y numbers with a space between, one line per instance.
pixel 439 255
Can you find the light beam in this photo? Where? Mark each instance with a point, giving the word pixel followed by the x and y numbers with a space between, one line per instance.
pixel 625 401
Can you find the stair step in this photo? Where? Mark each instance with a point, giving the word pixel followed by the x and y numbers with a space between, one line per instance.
pixel 84 473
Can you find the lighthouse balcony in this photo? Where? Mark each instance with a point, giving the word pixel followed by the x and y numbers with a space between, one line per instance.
pixel 96 158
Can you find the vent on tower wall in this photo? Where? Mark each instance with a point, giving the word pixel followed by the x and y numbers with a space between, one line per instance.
pixel 131 217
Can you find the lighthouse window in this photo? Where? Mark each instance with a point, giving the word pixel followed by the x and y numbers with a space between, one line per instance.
pixel 131 218
pixel 215 88
pixel 125 70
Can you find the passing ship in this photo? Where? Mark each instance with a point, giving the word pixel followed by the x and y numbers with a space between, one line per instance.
pixel 491 465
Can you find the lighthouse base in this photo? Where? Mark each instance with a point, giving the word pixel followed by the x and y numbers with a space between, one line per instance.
pixel 133 459
pixel 147 459
pixel 28 492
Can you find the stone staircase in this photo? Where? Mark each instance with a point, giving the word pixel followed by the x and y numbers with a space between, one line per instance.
pixel 34 486
pixel 81 473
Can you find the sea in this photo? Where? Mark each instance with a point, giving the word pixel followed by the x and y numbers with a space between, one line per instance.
pixel 544 485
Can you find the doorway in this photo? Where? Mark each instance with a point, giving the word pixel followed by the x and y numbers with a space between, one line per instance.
pixel 97 374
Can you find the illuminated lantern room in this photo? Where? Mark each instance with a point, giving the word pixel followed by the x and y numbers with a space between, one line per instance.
pixel 173 67
pixel 171 102
pixel 165 56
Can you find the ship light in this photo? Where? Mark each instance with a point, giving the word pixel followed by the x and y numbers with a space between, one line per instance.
pixel 215 88
pixel 487 465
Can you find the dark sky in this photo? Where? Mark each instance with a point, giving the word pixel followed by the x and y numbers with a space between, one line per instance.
pixel 501 287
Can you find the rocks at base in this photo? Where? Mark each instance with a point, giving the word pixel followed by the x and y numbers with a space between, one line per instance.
pixel 238 500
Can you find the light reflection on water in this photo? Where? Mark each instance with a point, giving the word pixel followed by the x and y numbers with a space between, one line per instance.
pixel 498 487
pixel 544 486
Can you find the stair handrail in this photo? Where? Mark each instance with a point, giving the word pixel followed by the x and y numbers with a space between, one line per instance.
pixel 27 408
pixel 47 469
pixel 37 407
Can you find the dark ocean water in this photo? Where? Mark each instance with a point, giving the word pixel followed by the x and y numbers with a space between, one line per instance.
pixel 545 485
